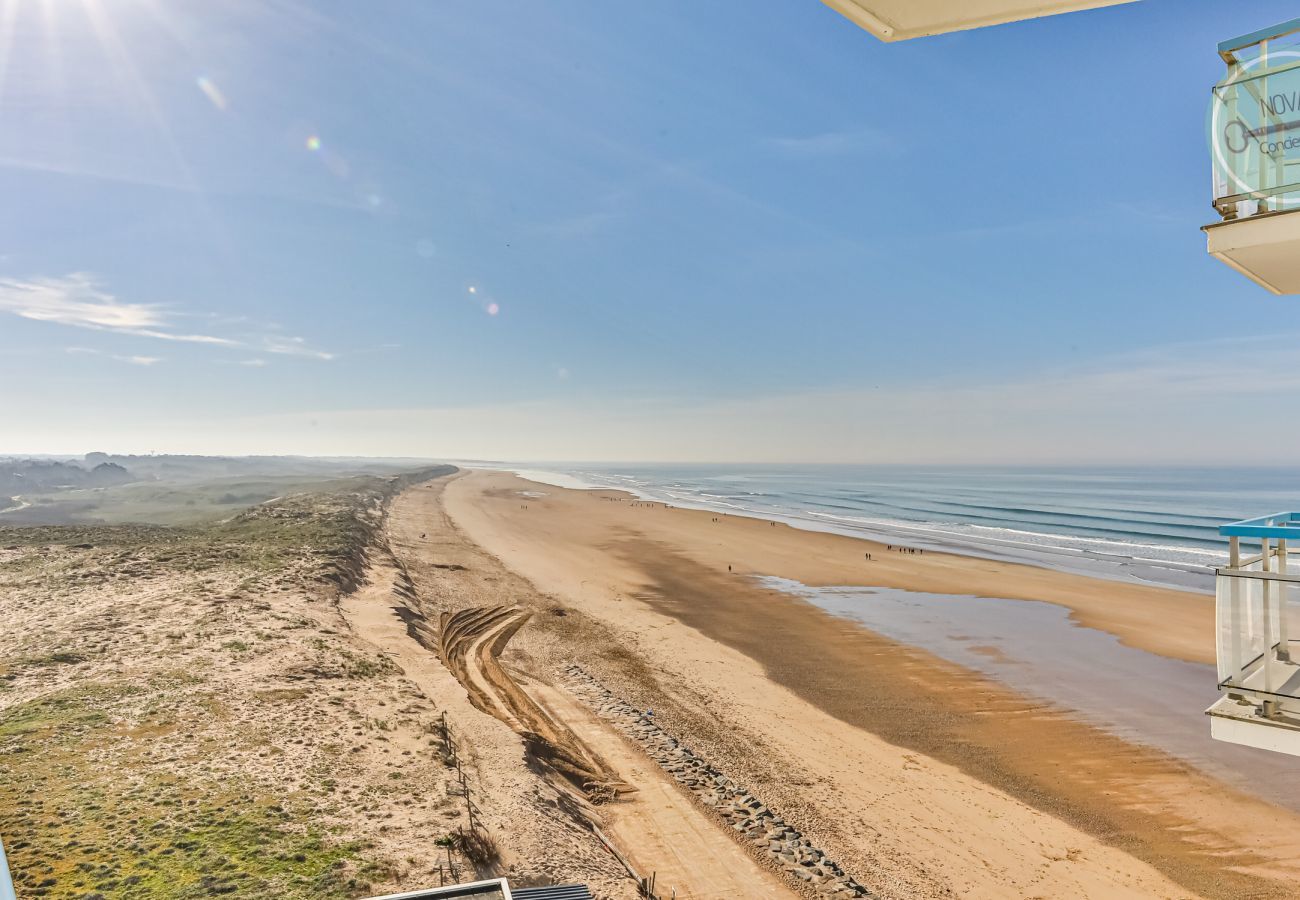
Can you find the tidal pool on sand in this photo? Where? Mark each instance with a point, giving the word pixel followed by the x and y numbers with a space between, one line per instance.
pixel 1034 648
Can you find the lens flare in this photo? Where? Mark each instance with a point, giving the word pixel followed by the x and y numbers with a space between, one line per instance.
pixel 472 289
pixel 493 309
pixel 212 92
pixel 313 143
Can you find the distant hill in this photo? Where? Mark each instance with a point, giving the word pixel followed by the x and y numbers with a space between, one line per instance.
pixel 169 489
pixel 23 476
pixel 181 468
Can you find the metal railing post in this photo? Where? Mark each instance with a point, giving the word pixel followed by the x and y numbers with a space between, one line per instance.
pixel 1234 628
pixel 1266 604
pixel 1283 640
pixel 1262 203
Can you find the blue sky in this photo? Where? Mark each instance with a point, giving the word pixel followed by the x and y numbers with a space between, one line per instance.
pixel 720 231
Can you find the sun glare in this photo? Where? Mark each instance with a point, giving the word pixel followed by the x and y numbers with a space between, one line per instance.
pixel 212 92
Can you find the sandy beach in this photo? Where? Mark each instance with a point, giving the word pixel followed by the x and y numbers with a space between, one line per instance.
pixel 921 777
pixel 569 686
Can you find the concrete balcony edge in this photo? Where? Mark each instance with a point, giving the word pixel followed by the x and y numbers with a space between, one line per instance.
pixel 1265 248
pixel 898 20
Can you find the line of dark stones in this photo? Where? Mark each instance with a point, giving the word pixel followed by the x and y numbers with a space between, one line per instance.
pixel 746 814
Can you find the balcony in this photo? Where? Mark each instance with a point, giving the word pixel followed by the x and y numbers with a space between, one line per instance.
pixel 898 20
pixel 1254 131
pixel 492 889
pixel 1256 618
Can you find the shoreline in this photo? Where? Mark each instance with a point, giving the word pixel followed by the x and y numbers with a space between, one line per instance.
pixel 1084 562
pixel 1153 626
pixel 795 682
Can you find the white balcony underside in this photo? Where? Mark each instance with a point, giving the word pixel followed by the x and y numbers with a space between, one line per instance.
pixel 1264 248
pixel 1238 724
pixel 898 20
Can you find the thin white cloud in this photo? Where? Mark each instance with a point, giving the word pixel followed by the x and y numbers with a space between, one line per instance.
pixel 92 173
pixel 292 346
pixel 186 338
pixel 28 165
pixel 134 360
pixel 577 226
pixel 832 143
pixel 78 300
pixel 74 300
pixel 254 363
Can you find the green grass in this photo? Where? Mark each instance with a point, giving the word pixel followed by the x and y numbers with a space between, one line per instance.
pixel 323 533
pixel 27 662
pixel 164 503
pixel 74 827
pixel 151 843
pixel 356 666
pixel 59 717
pixel 190 500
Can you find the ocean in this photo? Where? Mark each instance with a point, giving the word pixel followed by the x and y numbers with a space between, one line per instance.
pixel 1151 524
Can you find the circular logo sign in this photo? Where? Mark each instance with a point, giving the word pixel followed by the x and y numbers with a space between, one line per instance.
pixel 1254 132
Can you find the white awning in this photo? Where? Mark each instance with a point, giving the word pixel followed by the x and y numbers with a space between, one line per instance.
pixel 898 20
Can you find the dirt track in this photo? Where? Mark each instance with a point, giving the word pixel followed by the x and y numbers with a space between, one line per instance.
pixel 491 659
pixel 524 812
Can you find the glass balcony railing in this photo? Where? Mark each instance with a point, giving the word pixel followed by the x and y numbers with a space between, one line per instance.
pixel 1258 621
pixel 1254 124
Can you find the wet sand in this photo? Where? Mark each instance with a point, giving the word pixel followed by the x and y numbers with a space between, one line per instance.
pixel 1035 649
pixel 931 776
